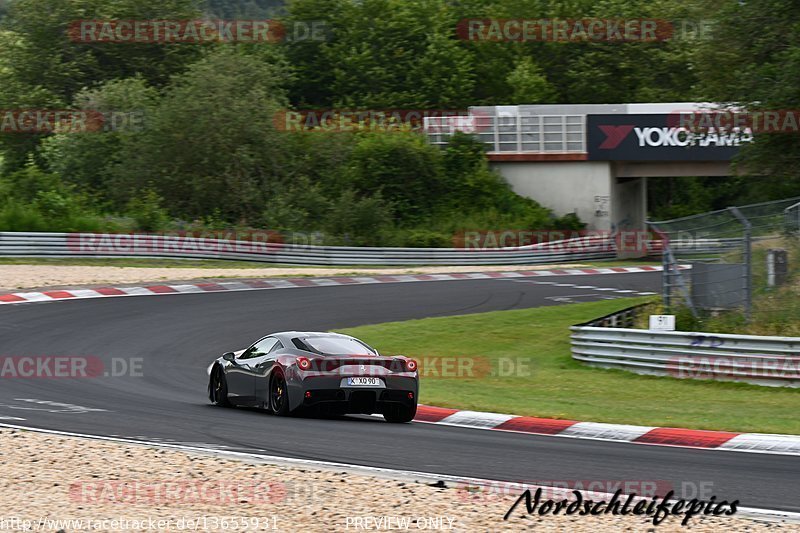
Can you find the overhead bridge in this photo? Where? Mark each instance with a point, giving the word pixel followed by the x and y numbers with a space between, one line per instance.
pixel 594 160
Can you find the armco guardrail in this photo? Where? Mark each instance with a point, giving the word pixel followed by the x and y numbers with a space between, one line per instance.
pixel 16 244
pixel 754 359
pixel 619 319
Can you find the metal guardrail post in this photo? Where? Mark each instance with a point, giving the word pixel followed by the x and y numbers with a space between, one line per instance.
pixel 747 253
pixel 687 296
pixel 665 283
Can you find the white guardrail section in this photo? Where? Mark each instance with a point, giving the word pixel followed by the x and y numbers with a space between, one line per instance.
pixel 17 244
pixel 761 360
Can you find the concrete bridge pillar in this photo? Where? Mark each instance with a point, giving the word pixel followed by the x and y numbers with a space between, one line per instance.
pixel 589 189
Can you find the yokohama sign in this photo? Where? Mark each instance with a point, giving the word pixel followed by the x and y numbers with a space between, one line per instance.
pixel 657 138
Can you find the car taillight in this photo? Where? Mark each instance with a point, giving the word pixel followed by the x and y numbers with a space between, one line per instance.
pixel 411 365
pixel 303 363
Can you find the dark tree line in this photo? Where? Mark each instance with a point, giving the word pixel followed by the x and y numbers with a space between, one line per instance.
pixel 209 154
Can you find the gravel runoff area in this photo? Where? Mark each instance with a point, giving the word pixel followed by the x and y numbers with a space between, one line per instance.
pixel 94 483
pixel 33 276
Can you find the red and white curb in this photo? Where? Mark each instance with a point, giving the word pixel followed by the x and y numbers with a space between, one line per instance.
pixel 687 438
pixel 293 283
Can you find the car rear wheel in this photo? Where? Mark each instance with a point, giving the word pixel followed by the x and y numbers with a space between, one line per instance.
pixel 219 389
pixel 279 395
pixel 400 414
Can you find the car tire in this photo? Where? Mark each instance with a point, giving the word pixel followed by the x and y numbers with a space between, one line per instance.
pixel 400 414
pixel 219 388
pixel 278 394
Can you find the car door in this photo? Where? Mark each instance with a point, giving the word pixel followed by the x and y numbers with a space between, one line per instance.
pixel 262 368
pixel 241 374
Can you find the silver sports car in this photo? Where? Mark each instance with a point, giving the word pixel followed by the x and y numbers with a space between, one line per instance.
pixel 327 372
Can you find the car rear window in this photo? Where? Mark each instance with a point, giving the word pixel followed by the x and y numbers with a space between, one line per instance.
pixel 334 346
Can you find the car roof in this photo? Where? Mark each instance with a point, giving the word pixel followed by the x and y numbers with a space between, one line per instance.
pixel 304 334
pixel 287 337
pixel 307 334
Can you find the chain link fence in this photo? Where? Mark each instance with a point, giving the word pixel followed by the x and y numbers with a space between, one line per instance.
pixel 722 260
pixel 791 219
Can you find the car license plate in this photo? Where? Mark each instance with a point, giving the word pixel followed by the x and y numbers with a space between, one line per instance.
pixel 364 382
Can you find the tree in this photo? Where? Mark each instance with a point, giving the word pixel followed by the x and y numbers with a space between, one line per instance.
pixel 403 168
pixel 759 72
pixel 46 57
pixel 211 142
pixel 243 9
pixel 381 54
pixel 41 68
pixel 583 72
pixel 88 160
pixel 529 84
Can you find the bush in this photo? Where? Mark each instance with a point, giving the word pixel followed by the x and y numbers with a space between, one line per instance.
pixel 422 238
pixel 359 221
pixel 403 168
pixel 19 217
pixel 26 184
pixel 300 207
pixel 35 200
pixel 570 221
pixel 29 217
pixel 55 205
pixel 147 212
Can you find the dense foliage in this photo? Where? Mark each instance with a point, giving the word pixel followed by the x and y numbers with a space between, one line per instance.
pixel 209 152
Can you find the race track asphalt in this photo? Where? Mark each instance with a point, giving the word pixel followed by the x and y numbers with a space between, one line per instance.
pixel 177 336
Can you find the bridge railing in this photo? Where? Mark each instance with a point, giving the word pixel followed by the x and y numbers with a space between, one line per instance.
pixel 515 132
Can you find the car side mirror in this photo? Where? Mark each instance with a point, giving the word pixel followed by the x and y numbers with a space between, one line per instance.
pixel 229 356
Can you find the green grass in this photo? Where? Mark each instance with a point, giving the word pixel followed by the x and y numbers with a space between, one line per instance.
pixel 558 387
